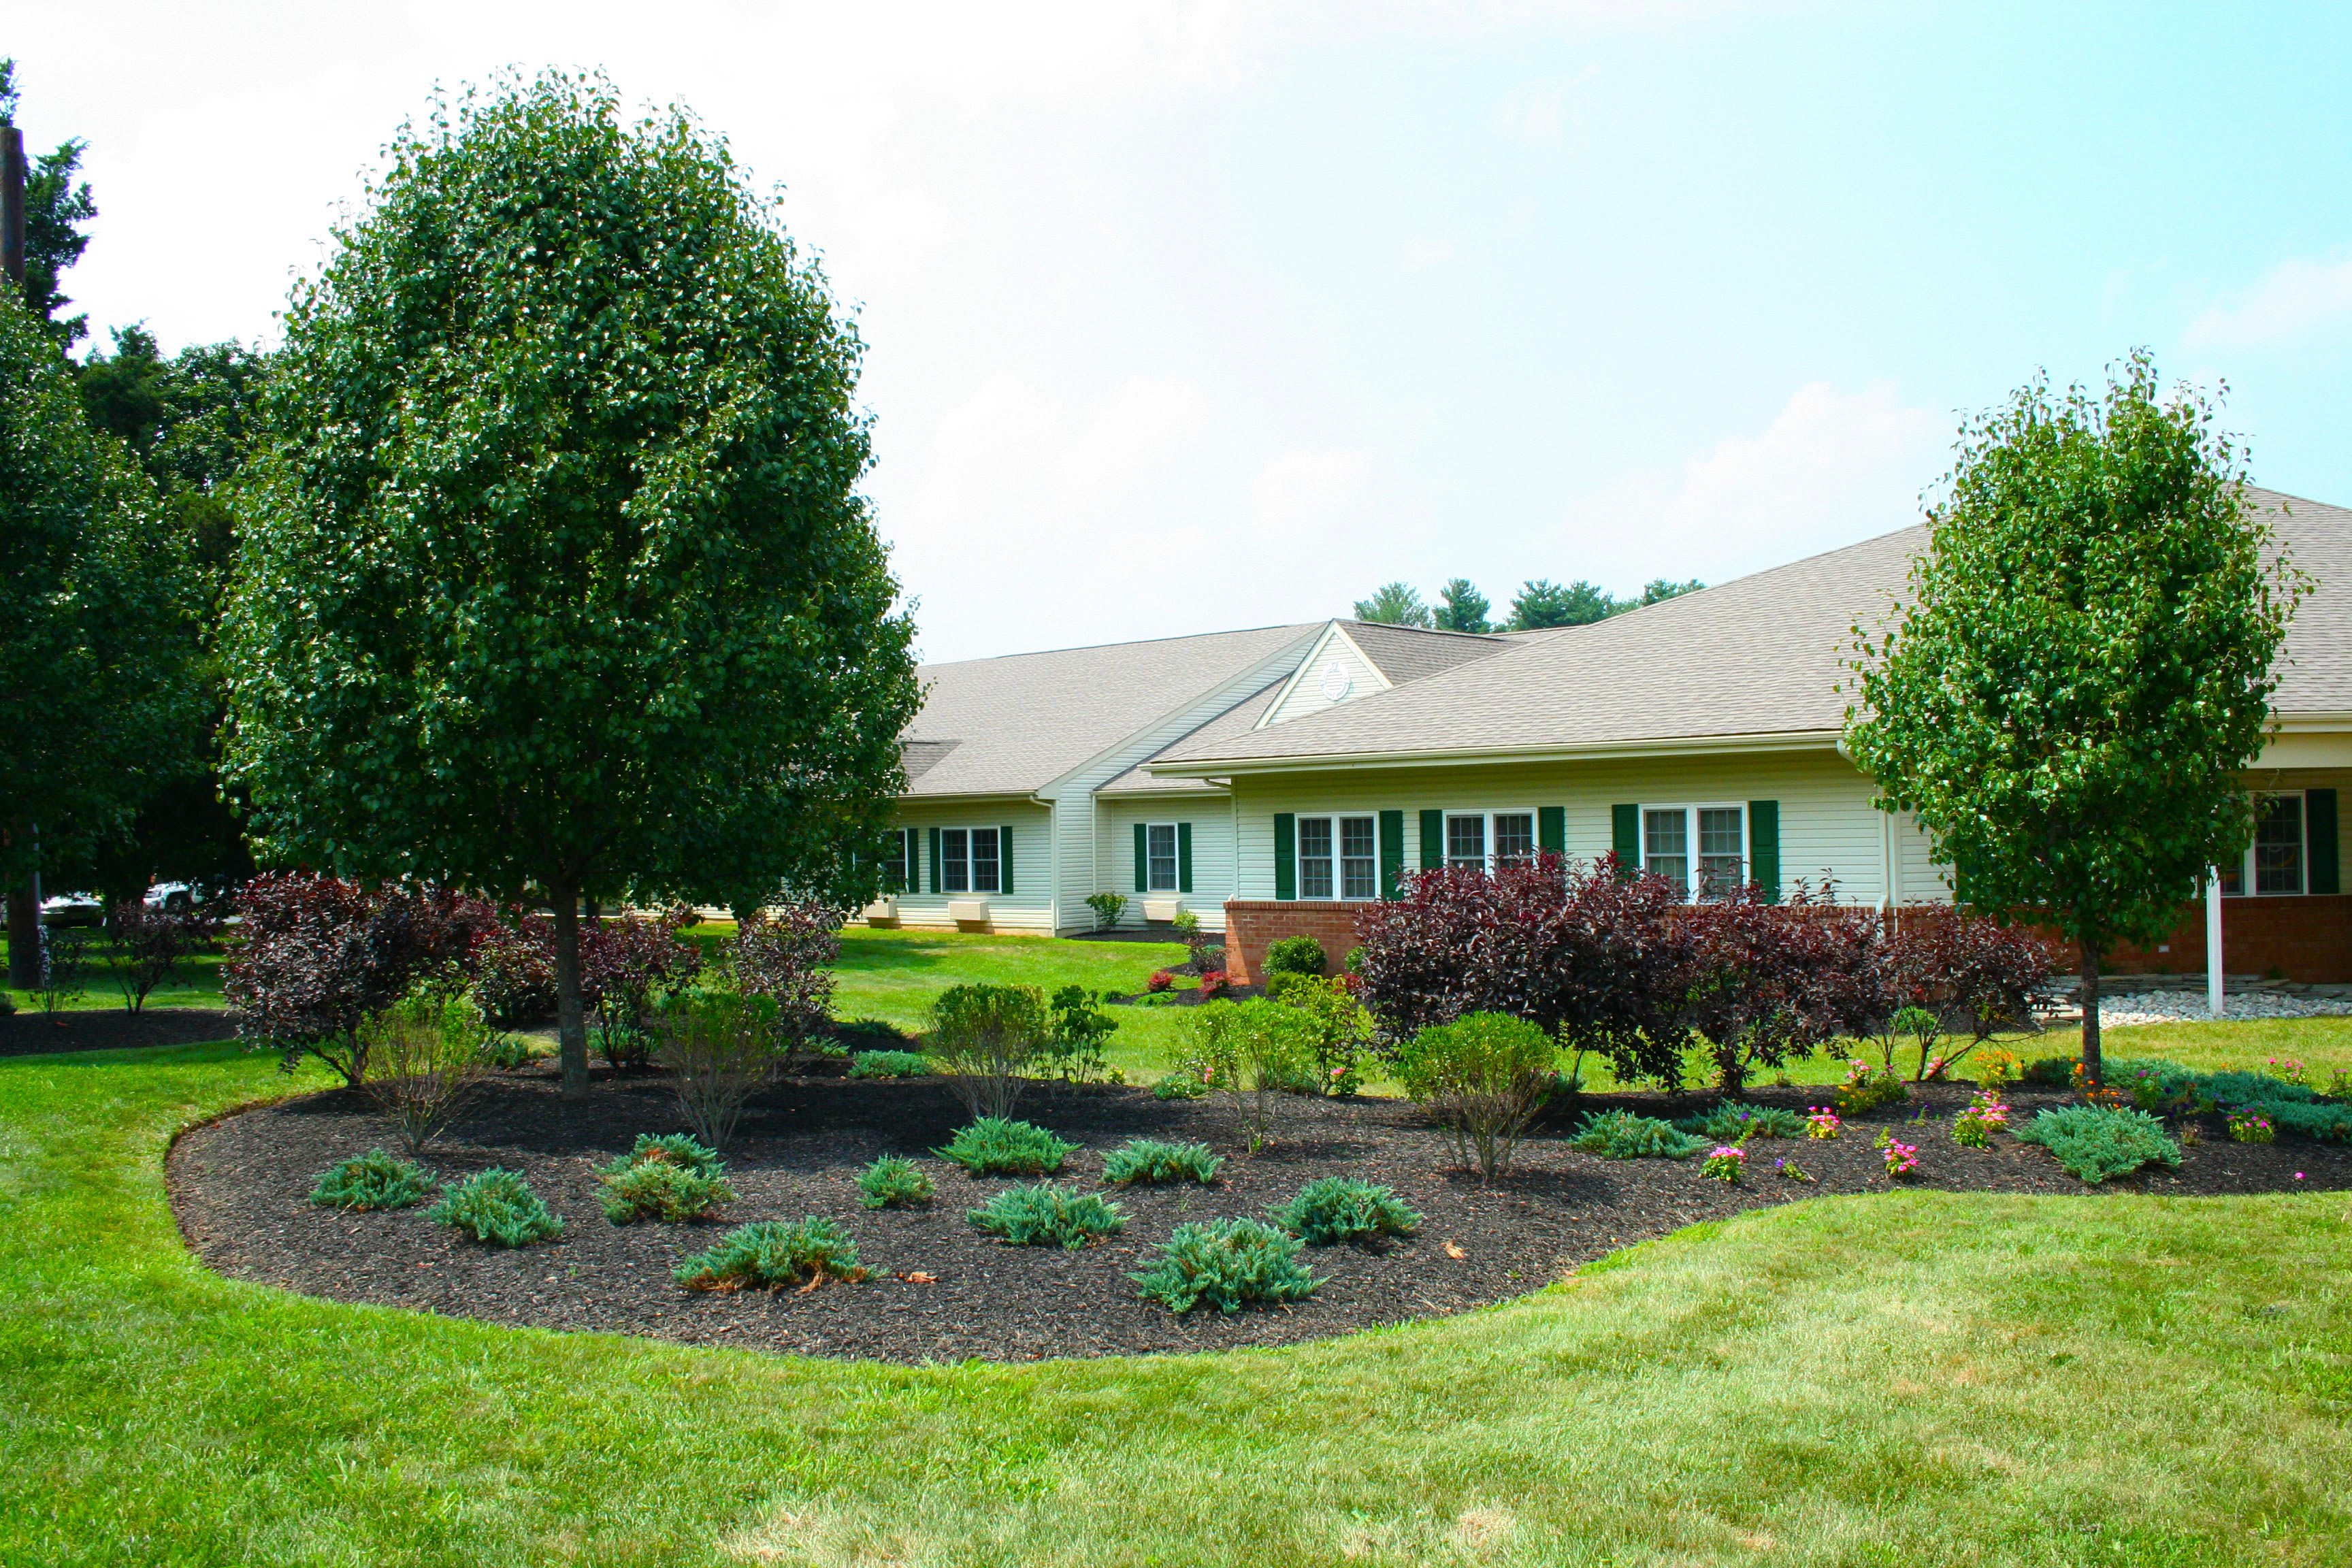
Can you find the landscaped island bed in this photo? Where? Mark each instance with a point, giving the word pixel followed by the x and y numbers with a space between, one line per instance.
pixel 241 1186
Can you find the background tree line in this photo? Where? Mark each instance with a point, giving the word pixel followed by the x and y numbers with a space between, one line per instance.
pixel 1539 603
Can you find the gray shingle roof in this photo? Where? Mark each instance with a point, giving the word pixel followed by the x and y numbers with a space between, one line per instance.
pixel 1409 653
pixel 1754 657
pixel 1013 725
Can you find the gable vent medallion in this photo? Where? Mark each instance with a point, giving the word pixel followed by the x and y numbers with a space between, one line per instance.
pixel 1335 684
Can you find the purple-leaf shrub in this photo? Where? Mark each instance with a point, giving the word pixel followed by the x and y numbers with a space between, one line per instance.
pixel 786 954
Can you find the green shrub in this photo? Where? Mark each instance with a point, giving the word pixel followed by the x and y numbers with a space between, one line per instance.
pixel 1179 1084
pixel 1225 1263
pixel 1047 1215
pixel 1867 1088
pixel 773 1254
pixel 982 1037
pixel 2050 1072
pixel 992 1146
pixel 2333 1123
pixel 1152 1161
pixel 1296 956
pixel 889 1064
pixel 1621 1135
pixel 1343 1027
pixel 894 1182
pixel 1336 1208
pixel 1731 1121
pixel 1107 907
pixel 1485 1076
pixel 1250 1053
pixel 871 1034
pixel 671 1178
pixel 1073 1047
pixel 506 1052
pixel 2095 1142
pixel 372 1180
pixel 497 1206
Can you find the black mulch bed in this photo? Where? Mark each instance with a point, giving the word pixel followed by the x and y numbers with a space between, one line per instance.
pixel 240 1187
pixel 105 1029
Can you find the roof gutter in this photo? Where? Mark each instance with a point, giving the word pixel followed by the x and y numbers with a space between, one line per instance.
pixel 1681 746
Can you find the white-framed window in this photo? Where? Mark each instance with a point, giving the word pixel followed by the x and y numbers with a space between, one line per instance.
pixel 898 874
pixel 1159 857
pixel 1701 848
pixel 969 861
pixel 1339 856
pixel 1490 840
pixel 2274 862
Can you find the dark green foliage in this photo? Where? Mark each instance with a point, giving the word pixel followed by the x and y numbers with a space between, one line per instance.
pixel 894 1182
pixel 983 1039
pixel 1731 1121
pixel 1394 603
pixel 1621 1135
pixel 56 209
pixel 1296 956
pixel 1334 1209
pixel 1047 1215
pixel 1485 1075
pixel 774 1254
pixel 1180 1085
pixel 1461 607
pixel 1148 1161
pixel 889 1064
pixel 2095 1142
pixel 2331 1120
pixel 869 1033
pixel 498 1207
pixel 552 569
pixel 1074 1042
pixel 2049 1072
pixel 1542 603
pixel 992 1146
pixel 2296 1107
pixel 374 1180
pixel 672 1178
pixel 1225 1263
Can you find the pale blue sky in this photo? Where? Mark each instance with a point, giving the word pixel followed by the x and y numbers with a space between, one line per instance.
pixel 1190 317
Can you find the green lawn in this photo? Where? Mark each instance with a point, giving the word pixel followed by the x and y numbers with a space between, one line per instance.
pixel 1914 1379
pixel 196 984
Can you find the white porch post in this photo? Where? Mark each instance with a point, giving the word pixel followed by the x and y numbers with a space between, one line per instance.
pixel 2213 940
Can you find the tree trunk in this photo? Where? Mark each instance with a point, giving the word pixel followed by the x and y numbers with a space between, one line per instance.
pixel 2094 1072
pixel 571 1026
pixel 25 933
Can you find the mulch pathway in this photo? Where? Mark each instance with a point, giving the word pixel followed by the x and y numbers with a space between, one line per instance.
pixel 104 1029
pixel 240 1187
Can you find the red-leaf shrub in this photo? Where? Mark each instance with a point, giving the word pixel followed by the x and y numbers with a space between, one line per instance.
pixel 513 967
pixel 315 957
pixel 1770 983
pixel 1212 983
pixel 787 955
pixel 1161 980
pixel 1976 975
pixel 625 963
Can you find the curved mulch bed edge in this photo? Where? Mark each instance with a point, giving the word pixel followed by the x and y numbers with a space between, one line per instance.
pixel 36 1034
pixel 239 1188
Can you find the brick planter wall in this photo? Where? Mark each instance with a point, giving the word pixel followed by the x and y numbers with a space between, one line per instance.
pixel 2307 939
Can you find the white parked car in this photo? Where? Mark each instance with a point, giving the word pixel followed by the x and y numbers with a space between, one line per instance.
pixel 72 910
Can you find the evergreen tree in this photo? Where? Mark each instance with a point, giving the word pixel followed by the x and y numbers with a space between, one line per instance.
pixel 1394 603
pixel 1461 608
pixel 1542 603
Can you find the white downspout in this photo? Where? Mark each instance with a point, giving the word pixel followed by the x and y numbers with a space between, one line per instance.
pixel 2213 940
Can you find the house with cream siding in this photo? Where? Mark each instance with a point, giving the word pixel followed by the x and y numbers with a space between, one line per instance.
pixel 1275 781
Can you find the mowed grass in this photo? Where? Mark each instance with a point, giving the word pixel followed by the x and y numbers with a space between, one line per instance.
pixel 1914 1379
pixel 195 982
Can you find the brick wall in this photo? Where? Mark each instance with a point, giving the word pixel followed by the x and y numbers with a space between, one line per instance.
pixel 2307 939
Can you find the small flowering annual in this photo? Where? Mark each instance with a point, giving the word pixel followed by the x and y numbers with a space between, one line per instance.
pixel 1985 1115
pixel 1790 1171
pixel 2250 1127
pixel 1821 1122
pixel 1902 1159
pixel 2287 1069
pixel 1725 1162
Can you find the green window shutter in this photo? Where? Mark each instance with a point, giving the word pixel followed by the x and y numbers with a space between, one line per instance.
pixel 1286 856
pixel 1005 859
pixel 1433 840
pixel 1142 858
pixel 1625 834
pixel 1183 856
pixel 2320 846
pixel 1764 847
pixel 938 864
pixel 1392 851
pixel 1551 829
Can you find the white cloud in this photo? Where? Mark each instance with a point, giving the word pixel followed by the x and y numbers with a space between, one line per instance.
pixel 2294 299
pixel 1830 468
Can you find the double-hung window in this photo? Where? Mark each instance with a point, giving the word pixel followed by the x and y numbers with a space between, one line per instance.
pixel 1701 850
pixel 969 861
pixel 1159 857
pixel 899 872
pixel 2274 863
pixel 1490 840
pixel 1338 857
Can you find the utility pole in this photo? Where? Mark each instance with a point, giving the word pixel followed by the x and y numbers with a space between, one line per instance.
pixel 24 898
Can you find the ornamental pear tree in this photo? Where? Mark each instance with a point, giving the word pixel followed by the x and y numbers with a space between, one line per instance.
pixel 553 577
pixel 97 618
pixel 2070 699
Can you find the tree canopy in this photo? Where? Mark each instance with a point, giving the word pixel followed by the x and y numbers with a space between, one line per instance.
pixel 1461 608
pixel 1394 603
pixel 2069 702
pixel 1542 603
pixel 56 209
pixel 554 574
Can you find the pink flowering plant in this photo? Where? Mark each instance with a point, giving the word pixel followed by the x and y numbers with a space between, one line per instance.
pixel 1822 1121
pixel 2250 1127
pixel 1902 1159
pixel 1725 1162
pixel 1974 1127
